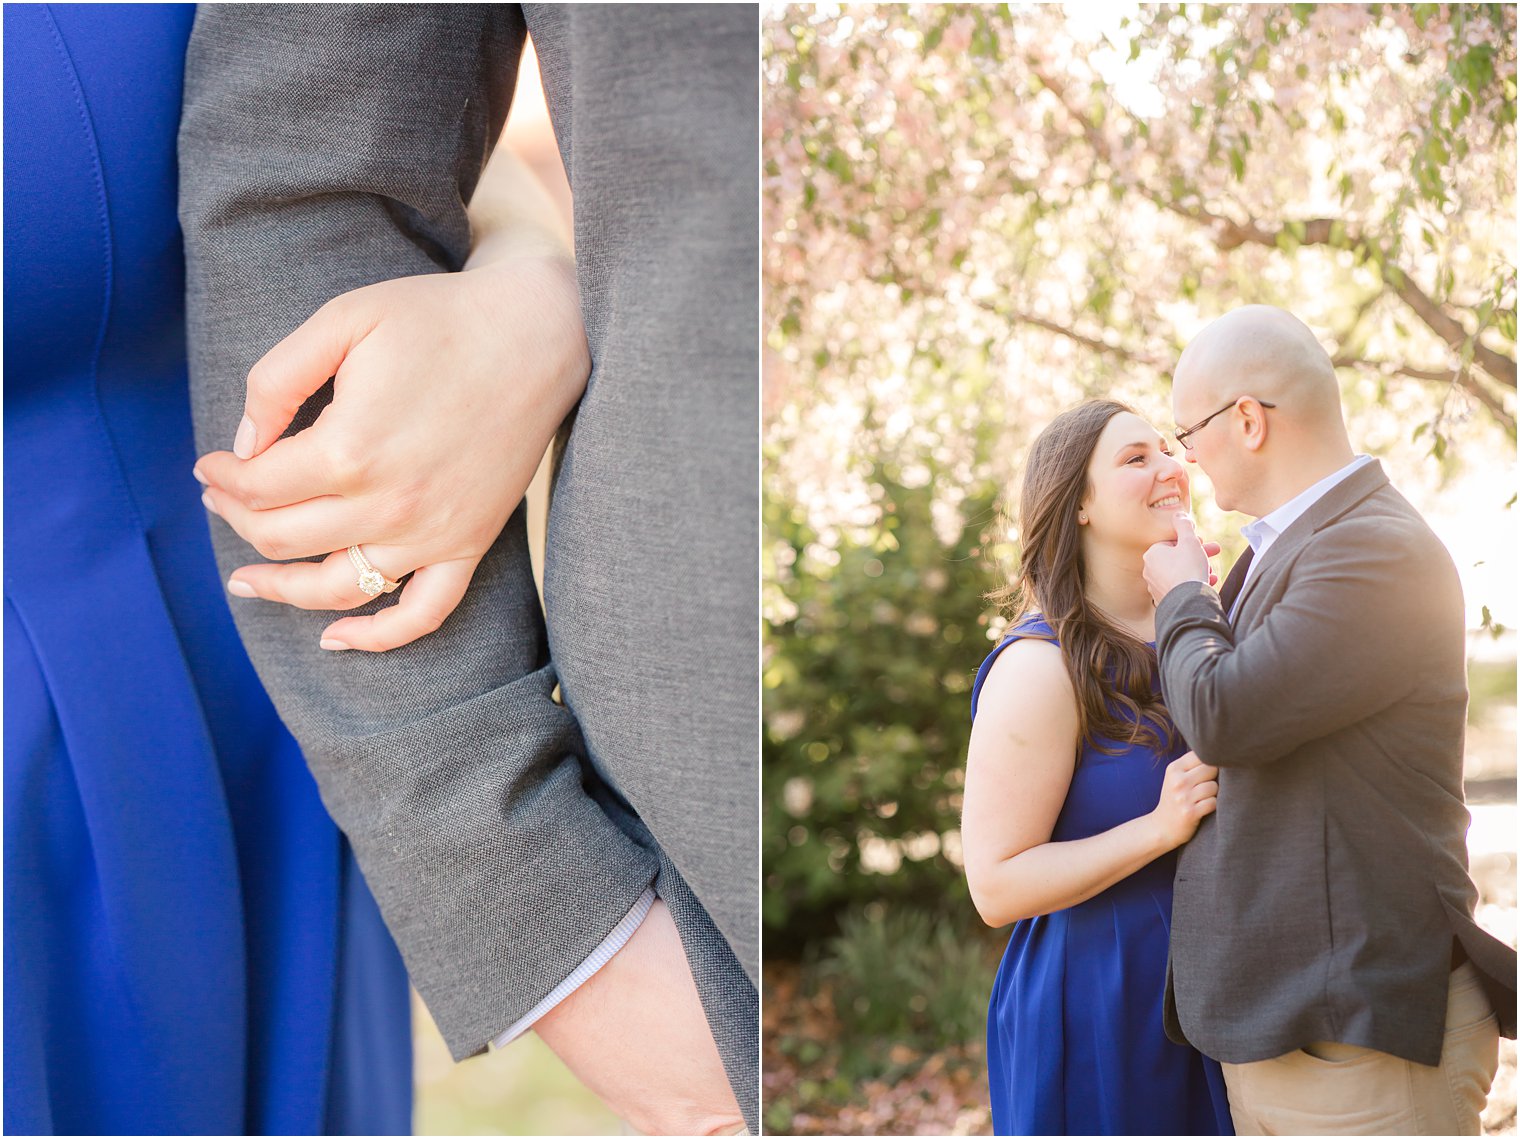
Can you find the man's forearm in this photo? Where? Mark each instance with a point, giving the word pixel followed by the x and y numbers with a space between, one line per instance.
pixel 312 163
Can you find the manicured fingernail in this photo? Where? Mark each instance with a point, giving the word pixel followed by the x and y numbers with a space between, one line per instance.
pixel 242 446
pixel 209 505
pixel 335 645
pixel 240 588
pixel 200 478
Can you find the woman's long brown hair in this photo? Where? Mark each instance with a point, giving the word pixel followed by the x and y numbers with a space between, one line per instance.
pixel 1114 673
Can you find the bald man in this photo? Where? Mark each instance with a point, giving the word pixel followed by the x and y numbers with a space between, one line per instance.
pixel 1323 942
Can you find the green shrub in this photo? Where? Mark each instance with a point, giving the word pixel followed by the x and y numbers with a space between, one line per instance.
pixel 867 713
pixel 906 976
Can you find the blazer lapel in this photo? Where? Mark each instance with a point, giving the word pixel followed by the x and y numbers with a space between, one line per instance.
pixel 1339 499
pixel 1236 578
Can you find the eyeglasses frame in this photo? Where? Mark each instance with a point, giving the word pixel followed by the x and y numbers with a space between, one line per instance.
pixel 1182 434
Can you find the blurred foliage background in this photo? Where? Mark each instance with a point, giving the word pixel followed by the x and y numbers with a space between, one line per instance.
pixel 976 216
pixel 523 1089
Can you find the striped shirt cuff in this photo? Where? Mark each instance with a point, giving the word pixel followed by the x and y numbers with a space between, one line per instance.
pixel 584 971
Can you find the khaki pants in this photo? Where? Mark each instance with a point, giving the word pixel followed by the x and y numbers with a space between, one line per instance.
pixel 1343 1089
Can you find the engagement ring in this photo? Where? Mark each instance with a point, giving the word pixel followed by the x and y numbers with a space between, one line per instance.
pixel 371 581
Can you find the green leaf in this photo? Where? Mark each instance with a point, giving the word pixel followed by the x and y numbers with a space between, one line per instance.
pixel 837 163
pixel 1458 109
pixel 1474 69
pixel 984 43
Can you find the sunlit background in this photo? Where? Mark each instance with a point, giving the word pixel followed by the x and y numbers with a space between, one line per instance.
pixel 975 217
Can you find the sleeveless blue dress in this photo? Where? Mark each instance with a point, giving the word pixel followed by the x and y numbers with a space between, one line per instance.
pixel 189 947
pixel 1075 1043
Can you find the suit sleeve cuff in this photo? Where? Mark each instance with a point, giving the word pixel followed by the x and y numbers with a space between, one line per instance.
pixel 583 972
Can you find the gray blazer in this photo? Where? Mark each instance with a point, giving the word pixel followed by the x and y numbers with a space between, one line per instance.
pixel 1321 899
pixel 504 833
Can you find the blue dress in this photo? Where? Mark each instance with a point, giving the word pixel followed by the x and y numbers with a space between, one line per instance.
pixel 189 947
pixel 1075 1043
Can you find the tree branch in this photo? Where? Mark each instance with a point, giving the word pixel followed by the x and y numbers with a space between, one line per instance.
pixel 1230 235
pixel 1089 342
pixel 1463 379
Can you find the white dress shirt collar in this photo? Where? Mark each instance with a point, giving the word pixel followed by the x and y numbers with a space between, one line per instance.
pixel 1269 527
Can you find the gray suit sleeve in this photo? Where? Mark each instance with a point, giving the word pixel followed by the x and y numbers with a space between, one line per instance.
pixel 323 148
pixel 1342 643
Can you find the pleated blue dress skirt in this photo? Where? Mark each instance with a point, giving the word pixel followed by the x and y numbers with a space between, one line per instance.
pixel 189 947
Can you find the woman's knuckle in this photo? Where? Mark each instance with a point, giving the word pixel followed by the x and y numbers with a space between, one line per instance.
pixel 349 461
pixel 261 376
pixel 271 545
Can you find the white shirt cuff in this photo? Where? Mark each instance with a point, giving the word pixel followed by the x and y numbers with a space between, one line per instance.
pixel 583 972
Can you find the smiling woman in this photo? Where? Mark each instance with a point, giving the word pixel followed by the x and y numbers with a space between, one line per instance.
pixel 1078 793
pixel 1086 518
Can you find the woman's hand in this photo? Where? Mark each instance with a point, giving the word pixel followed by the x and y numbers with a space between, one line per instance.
pixel 448 389
pixel 1188 793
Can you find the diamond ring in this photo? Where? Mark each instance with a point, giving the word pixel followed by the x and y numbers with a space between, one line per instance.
pixel 372 583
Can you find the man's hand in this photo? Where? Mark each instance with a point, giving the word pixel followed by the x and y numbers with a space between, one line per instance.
pixel 1169 564
pixel 635 1034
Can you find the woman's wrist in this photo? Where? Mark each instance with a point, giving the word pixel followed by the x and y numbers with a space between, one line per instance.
pixel 1159 839
pixel 548 278
pixel 517 243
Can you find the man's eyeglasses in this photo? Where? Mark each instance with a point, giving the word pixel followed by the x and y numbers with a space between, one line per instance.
pixel 1182 434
